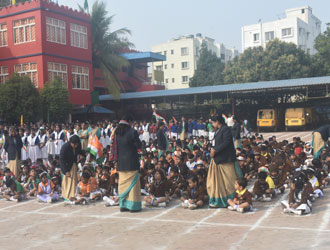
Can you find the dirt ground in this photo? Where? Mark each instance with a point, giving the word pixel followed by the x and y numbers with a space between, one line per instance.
pixel 33 225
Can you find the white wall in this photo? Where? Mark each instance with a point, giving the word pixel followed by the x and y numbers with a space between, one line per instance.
pixel 300 23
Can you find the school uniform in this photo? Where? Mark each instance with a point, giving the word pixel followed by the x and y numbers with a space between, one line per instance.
pixel 50 144
pixel 243 196
pixel 58 138
pixel 146 134
pixel 196 194
pixel 34 151
pixel 47 189
pixel 176 184
pixel 259 189
pixel 43 151
pixel 24 150
pixel 159 189
pixel 301 198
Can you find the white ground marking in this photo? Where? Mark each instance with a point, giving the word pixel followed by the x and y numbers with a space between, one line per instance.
pixel 259 221
pixel 57 236
pixel 17 204
pixel 323 225
pixel 192 228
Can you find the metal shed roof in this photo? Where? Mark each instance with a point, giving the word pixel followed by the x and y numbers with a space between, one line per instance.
pixel 144 57
pixel 229 88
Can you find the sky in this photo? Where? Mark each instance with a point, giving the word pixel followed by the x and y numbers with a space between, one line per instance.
pixel 153 22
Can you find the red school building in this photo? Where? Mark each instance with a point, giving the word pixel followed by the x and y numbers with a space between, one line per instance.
pixel 44 40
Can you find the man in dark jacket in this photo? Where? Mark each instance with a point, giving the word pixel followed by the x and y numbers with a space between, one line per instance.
pixel 161 138
pixel 13 146
pixel 236 130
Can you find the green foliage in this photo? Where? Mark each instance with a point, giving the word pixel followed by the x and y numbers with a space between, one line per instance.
pixel 107 46
pixel 55 101
pixel 4 3
pixel 209 69
pixel 321 61
pixel 19 97
pixel 280 60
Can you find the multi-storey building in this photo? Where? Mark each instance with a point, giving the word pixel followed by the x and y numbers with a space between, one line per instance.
pixel 182 54
pixel 43 40
pixel 299 26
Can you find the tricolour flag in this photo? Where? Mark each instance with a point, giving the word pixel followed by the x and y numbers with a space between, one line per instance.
pixel 95 147
pixel 158 117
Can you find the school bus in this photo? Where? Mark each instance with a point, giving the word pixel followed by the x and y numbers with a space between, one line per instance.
pixel 299 118
pixel 268 119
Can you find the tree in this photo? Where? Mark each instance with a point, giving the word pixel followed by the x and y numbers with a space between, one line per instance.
pixel 18 96
pixel 107 46
pixel 209 69
pixel 4 3
pixel 280 60
pixel 321 60
pixel 55 101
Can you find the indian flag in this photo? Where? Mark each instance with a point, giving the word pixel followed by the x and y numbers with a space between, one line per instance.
pixel 95 147
pixel 158 117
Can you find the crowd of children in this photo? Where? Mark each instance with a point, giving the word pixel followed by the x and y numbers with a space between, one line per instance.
pixel 180 172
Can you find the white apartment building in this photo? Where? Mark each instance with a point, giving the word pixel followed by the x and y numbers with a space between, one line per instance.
pixel 299 26
pixel 182 54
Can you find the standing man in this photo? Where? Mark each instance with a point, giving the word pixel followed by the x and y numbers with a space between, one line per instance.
pixel 68 163
pixel 222 172
pixel 13 146
pixel 162 143
pixel 236 130
pixel 183 129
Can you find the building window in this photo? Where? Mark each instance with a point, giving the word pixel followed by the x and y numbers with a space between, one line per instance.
pixel 287 32
pixel 256 37
pixel 184 51
pixel 302 11
pixel 80 77
pixel 3 35
pixel 28 69
pixel 24 30
pixel 185 79
pixel 58 70
pixel 184 65
pixel 172 51
pixel 166 80
pixel 78 36
pixel 269 36
pixel 173 80
pixel 4 75
pixel 165 66
pixel 159 68
pixel 56 30
pixel 172 65
pixel 165 53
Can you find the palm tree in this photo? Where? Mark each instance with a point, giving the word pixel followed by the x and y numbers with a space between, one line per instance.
pixel 107 46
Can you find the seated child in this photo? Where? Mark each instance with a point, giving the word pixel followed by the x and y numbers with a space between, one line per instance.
pixel 15 191
pixel 261 190
pixel 242 201
pixel 159 190
pixel 113 198
pixel 86 190
pixel 277 179
pixel 24 175
pixel 299 195
pixel 195 194
pixel 104 181
pixel 176 182
pixel 56 179
pixel 46 191
pixel 317 192
pixel 31 186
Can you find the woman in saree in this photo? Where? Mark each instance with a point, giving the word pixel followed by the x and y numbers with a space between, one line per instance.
pixel 223 169
pixel 128 143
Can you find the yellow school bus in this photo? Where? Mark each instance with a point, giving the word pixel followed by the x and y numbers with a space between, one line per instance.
pixel 299 118
pixel 268 119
